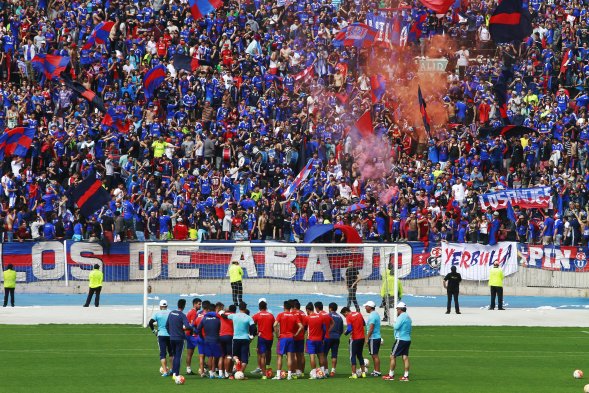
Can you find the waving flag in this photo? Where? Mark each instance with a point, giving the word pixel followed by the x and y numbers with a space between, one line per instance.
pixel 510 22
pixel 364 125
pixel 188 63
pixel 116 120
pixel 359 35
pixel 304 77
pixel 51 66
pixel 510 212
pixel 440 6
pixel 89 196
pixel 422 107
pixel 153 79
pixel 99 35
pixel 301 177
pixel 200 8
pixel 16 141
pixel 88 94
pixel 500 90
pixel 378 86
pixel 416 29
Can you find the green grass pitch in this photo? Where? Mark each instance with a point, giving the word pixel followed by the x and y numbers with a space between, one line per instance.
pixel 123 358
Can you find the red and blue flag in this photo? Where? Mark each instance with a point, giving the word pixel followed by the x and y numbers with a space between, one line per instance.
pixel 359 35
pixel 116 120
pixel 439 6
pixel 153 79
pixel 396 31
pixel 51 66
pixel 87 94
pixel 417 28
pixel 99 35
pixel 422 110
pixel 301 177
pixel 201 8
pixel 89 196
pixel 567 59
pixel 378 86
pixel 16 141
pixel 364 125
pixel 510 22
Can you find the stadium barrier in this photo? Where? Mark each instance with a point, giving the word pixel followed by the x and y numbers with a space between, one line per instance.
pixel 64 263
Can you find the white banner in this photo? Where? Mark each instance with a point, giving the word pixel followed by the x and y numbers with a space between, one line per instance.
pixel 473 261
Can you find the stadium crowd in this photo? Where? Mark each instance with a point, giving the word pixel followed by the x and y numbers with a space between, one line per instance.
pixel 211 154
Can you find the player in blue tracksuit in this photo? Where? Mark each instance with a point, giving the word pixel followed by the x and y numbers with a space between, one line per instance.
pixel 332 339
pixel 163 337
pixel 176 324
pixel 210 327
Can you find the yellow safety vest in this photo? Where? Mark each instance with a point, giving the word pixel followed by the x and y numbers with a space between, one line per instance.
pixel 9 279
pixel 95 278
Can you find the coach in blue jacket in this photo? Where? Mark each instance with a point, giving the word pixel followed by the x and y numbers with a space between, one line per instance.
pixel 176 325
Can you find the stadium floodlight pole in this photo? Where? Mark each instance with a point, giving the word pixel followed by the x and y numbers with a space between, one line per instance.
pixel 67 281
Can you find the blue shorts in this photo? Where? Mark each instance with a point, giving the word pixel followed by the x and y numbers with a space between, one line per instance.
pixel 314 347
pixel 264 345
pixel 285 345
pixel 226 343
pixel 241 349
pixel 331 344
pixel 299 346
pixel 373 346
pixel 356 347
pixel 212 349
pixel 400 348
pixel 165 345
pixel 191 342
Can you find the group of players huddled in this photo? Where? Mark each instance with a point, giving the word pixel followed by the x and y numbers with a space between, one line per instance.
pixel 223 335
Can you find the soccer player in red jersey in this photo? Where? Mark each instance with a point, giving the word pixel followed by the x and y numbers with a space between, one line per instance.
pixel 226 338
pixel 265 322
pixel 191 338
pixel 200 340
pixel 329 323
pixel 356 325
pixel 299 339
pixel 317 325
pixel 286 327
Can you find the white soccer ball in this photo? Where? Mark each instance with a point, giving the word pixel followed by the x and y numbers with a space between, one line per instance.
pixel 586 388
pixel 239 375
pixel 366 362
pixel 313 374
pixel 180 380
pixel 320 374
pixel 577 374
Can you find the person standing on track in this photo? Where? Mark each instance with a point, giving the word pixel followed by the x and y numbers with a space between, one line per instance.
pixel 452 285
pixel 95 283
pixel 9 276
pixel 356 324
pixel 332 340
pixel 402 343
pixel 235 278
pixel 163 337
pixel 352 280
pixel 265 322
pixel 176 324
pixel 496 284
pixel 373 337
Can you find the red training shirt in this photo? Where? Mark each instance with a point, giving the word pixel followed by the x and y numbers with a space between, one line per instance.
pixel 265 322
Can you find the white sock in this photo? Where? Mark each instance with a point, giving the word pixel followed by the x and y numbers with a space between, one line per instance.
pixel 332 369
pixel 211 373
pixel 406 374
pixel 188 370
pixel 323 369
pixel 220 373
pixel 289 373
pixel 391 373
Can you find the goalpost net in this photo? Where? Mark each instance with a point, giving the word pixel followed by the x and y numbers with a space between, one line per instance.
pixel 190 267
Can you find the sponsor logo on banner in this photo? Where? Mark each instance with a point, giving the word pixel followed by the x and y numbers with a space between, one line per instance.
pixel 473 261
pixel 526 198
pixel 356 33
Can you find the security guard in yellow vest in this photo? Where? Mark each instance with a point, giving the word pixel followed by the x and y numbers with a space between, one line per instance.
pixel 496 284
pixel 9 276
pixel 95 283
pixel 387 291
pixel 235 276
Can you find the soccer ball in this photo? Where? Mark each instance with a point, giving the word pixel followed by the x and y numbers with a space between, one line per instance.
pixel 313 374
pixel 578 374
pixel 319 374
pixel 239 375
pixel 282 374
pixel 366 362
pixel 268 372
pixel 586 388
pixel 161 370
pixel 180 380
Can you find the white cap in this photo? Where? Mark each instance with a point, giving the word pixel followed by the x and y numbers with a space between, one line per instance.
pixel 369 303
pixel 163 303
pixel 262 299
pixel 401 305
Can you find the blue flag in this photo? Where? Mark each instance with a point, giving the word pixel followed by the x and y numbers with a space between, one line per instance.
pixel 510 212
